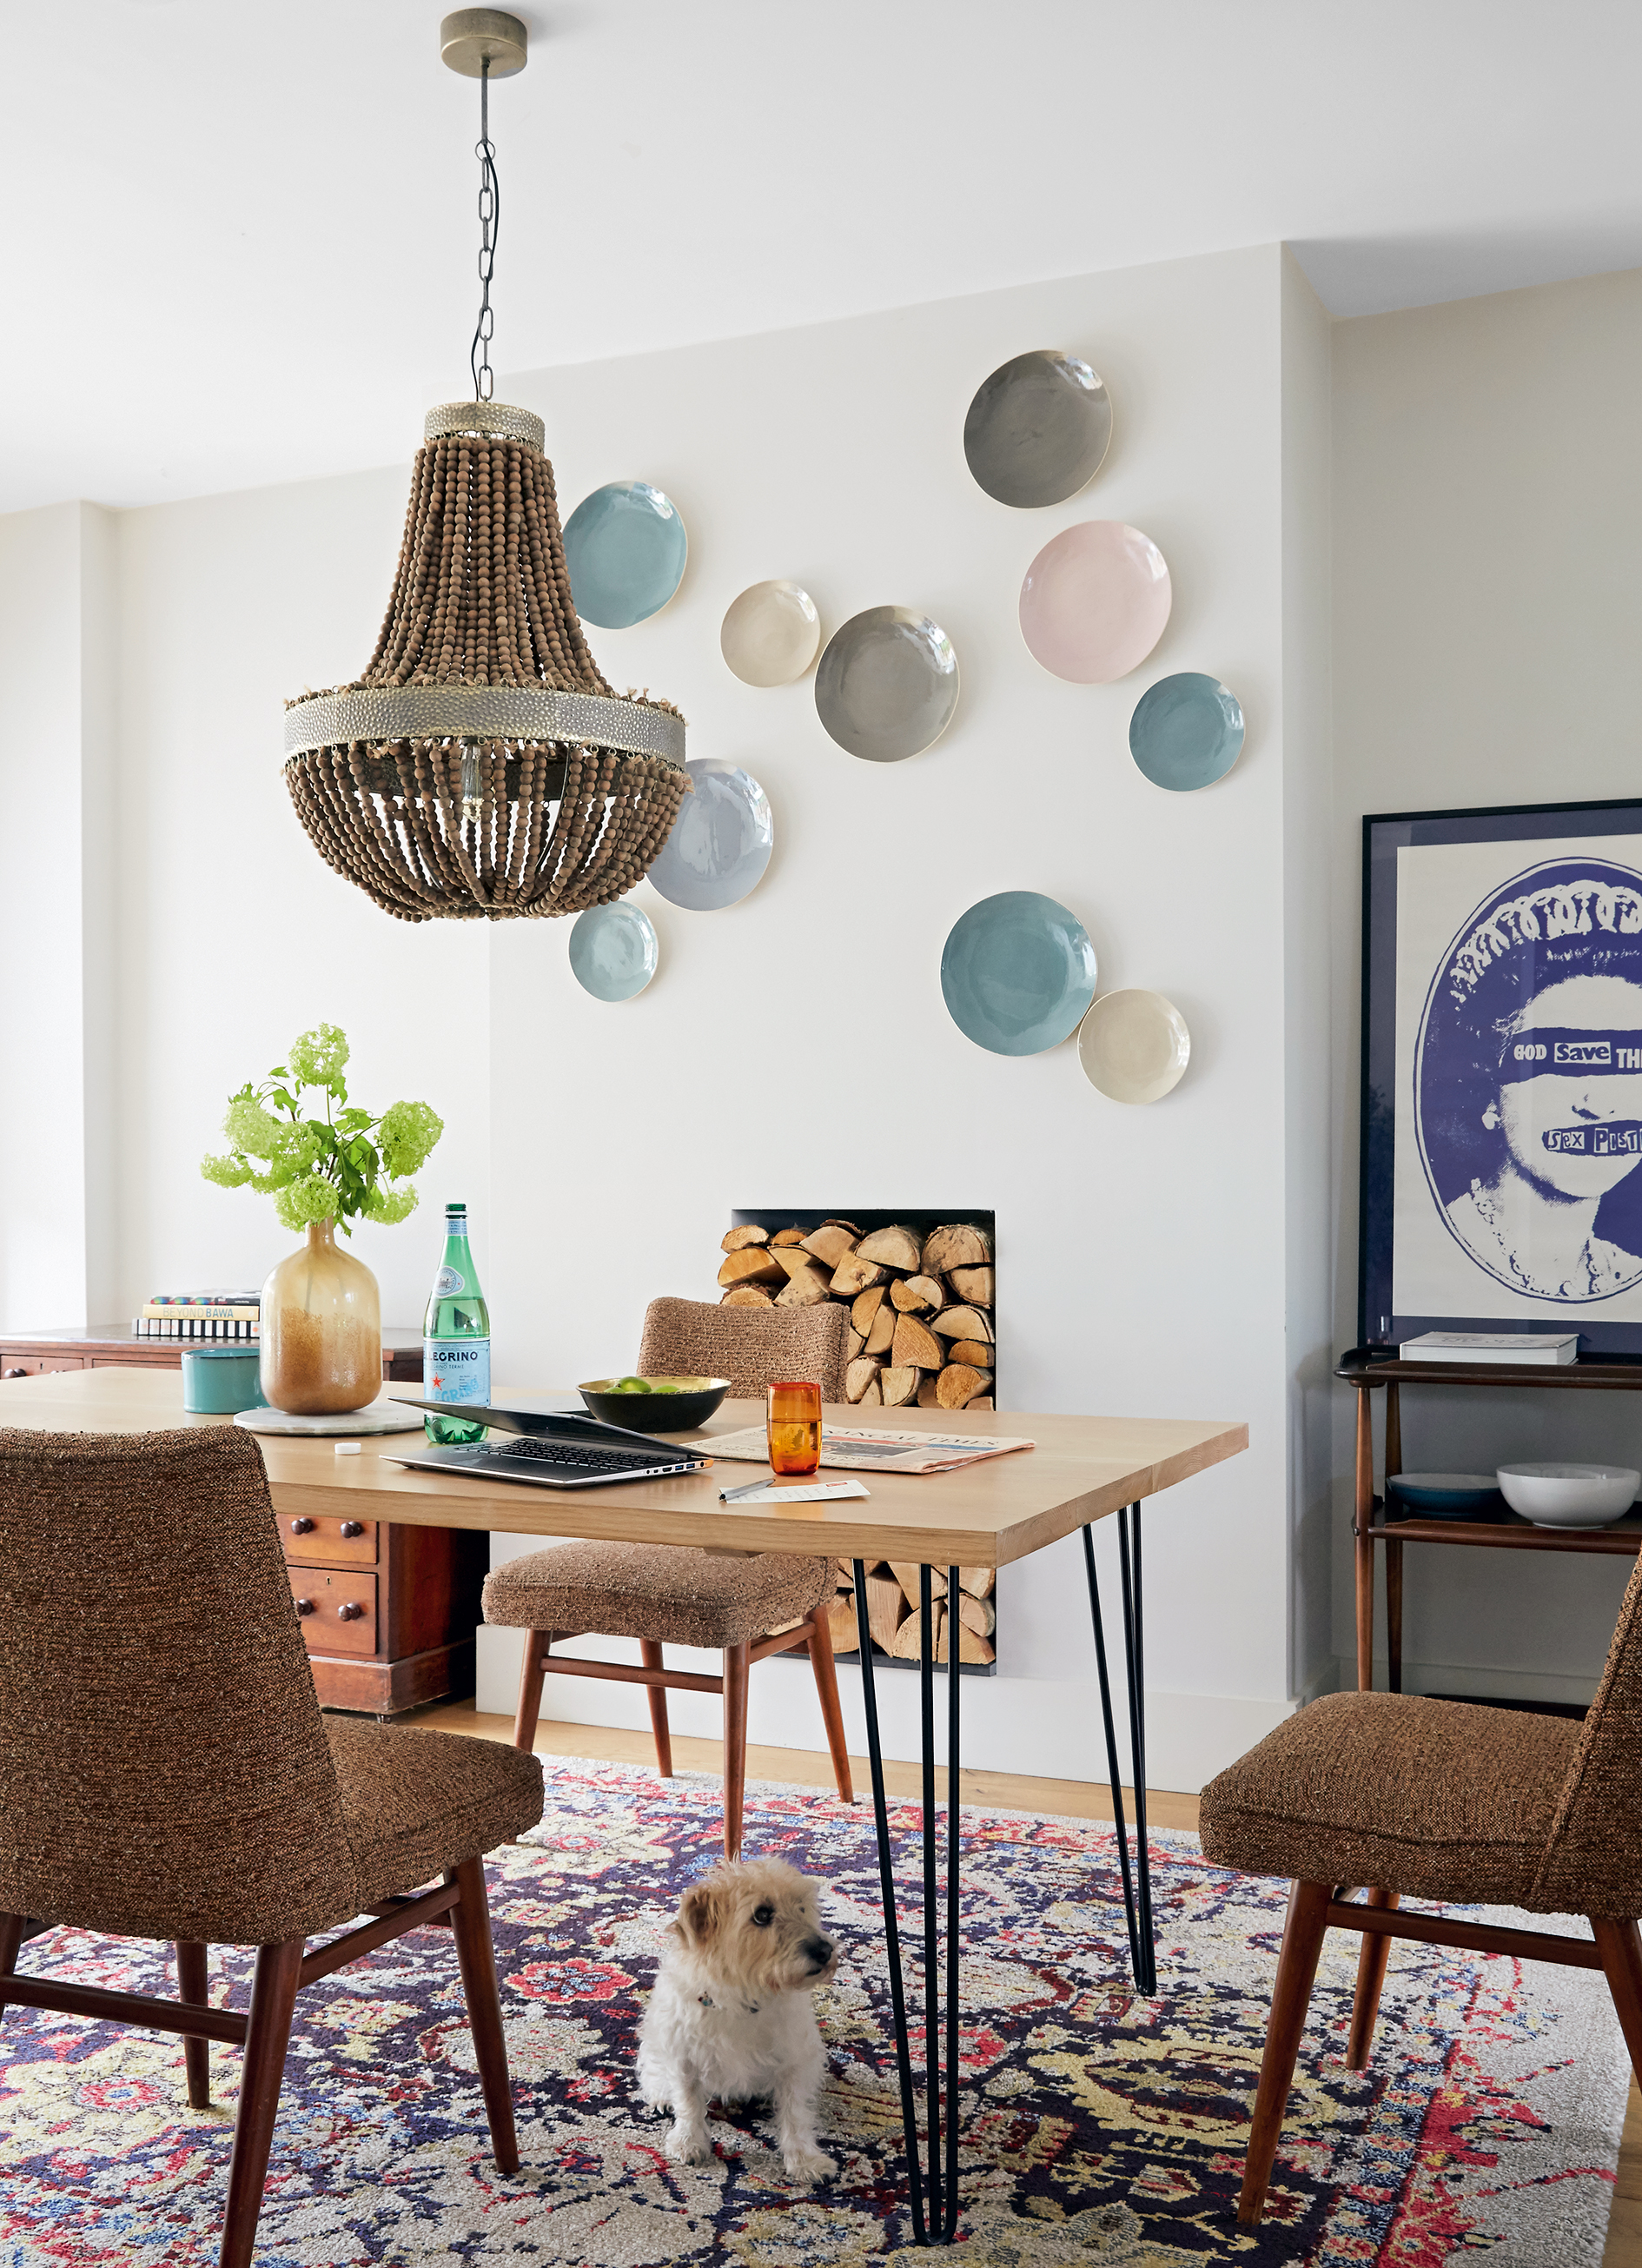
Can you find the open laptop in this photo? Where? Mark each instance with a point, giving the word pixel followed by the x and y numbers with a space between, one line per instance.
pixel 549 1448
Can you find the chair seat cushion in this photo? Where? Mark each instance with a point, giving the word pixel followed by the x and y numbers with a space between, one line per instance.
pixel 659 1591
pixel 414 1803
pixel 1388 1791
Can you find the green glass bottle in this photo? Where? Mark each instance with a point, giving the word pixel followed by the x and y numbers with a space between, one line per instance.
pixel 456 1337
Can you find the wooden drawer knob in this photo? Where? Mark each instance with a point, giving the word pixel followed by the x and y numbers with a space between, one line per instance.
pixel 350 1610
pixel 353 1527
pixel 304 1606
pixel 302 1526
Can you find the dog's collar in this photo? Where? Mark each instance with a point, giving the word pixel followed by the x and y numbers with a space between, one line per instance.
pixel 750 2008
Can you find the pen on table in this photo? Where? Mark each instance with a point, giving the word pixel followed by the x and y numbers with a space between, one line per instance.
pixel 753 1488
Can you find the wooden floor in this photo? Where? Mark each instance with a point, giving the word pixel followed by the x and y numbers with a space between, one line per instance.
pixel 1076 1799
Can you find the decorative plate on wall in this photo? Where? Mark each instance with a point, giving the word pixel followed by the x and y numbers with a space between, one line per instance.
pixel 721 840
pixel 1187 730
pixel 887 684
pixel 1094 601
pixel 1018 973
pixel 613 953
pixel 1134 1046
pixel 770 634
pixel 625 548
pixel 1038 429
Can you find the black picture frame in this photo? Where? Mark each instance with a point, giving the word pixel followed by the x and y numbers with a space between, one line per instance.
pixel 1548 917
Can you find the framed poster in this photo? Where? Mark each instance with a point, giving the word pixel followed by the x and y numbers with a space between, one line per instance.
pixel 1502 1073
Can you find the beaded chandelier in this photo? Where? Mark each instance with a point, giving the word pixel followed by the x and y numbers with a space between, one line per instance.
pixel 482 767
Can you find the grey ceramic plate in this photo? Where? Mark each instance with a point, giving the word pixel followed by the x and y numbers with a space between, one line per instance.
pixel 613 953
pixel 1187 730
pixel 887 684
pixel 721 840
pixel 1018 973
pixel 1038 429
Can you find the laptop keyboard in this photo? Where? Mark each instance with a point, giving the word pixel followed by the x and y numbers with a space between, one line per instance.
pixel 565 1452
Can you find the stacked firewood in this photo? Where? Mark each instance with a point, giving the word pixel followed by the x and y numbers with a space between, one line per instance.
pixel 920 1310
pixel 893 1618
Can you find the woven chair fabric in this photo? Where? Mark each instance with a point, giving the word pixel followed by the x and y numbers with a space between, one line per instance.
pixel 750 1347
pixel 661 1591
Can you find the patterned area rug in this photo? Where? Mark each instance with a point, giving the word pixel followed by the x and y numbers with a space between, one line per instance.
pixel 1098 2128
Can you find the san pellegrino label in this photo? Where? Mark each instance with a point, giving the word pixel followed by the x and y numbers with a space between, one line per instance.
pixel 456 1336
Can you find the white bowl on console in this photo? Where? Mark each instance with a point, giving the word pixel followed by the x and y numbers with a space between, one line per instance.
pixel 1570 1496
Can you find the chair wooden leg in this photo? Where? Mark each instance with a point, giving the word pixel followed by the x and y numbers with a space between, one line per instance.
pixel 1297 1969
pixel 1371 1977
pixel 273 1997
pixel 531 1672
pixel 650 1654
pixel 735 1669
pixel 192 1984
pixel 477 1955
pixel 1621 1948
pixel 832 1715
pixel 11 1938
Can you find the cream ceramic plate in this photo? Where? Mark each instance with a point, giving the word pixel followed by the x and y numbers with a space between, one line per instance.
pixel 887 684
pixel 1094 601
pixel 1134 1046
pixel 772 634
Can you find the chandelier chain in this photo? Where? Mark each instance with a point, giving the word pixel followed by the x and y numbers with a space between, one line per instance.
pixel 490 221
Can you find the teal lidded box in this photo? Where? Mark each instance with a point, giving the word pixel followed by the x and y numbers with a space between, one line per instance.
pixel 219 1381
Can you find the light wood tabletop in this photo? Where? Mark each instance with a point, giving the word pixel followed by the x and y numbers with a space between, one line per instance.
pixel 1081 1470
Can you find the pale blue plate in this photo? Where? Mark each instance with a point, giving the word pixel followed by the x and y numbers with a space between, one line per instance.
pixel 613 952
pixel 721 840
pixel 1018 973
pixel 1187 730
pixel 625 548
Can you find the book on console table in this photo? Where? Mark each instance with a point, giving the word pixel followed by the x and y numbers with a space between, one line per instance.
pixel 1554 1347
pixel 870 1450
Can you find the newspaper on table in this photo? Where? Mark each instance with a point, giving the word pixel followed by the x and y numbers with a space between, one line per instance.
pixel 873 1449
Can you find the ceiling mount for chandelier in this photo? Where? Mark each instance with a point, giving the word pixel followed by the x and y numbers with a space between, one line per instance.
pixel 482 767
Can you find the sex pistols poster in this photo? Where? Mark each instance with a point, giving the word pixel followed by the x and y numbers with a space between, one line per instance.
pixel 1503 1073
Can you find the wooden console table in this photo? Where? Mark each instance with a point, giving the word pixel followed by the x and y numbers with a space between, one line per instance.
pixel 1368 1368
pixel 389 1612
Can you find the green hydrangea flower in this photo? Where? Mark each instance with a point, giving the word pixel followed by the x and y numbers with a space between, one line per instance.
pixel 406 1137
pixel 390 1205
pixel 317 1057
pixel 296 1150
pixel 310 1199
pixel 227 1173
pixel 250 1128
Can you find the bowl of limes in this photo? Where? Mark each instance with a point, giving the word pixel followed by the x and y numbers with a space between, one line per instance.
pixel 654 1405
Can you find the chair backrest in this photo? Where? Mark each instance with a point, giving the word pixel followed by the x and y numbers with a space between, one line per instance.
pixel 749 1346
pixel 1593 1862
pixel 163 1769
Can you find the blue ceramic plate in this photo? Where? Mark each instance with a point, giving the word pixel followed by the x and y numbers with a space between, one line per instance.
pixel 624 546
pixel 1448 1495
pixel 613 952
pixel 1187 730
pixel 721 840
pixel 1018 973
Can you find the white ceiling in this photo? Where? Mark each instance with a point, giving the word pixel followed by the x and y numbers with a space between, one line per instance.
pixel 237 240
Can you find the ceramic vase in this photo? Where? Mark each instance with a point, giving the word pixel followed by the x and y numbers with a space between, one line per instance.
pixel 322 1329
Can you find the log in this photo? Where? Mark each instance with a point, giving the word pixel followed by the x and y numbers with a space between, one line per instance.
pixel 737 1239
pixel 907 1646
pixel 831 1244
pixel 978 1615
pixel 980 1401
pixel 853 1343
pixel 841 1623
pixel 906 1573
pixel 850 1228
pixel 807 1288
pixel 899 1385
pixel 872 1396
pixel 748 1295
pixel 963 1323
pixel 853 1274
pixel 886 1610
pixel 970 1350
pixel 914 1294
pixel 971 1646
pixel 978 1581
pixel 879 1338
pixel 894 1248
pixel 862 1373
pixel 863 1311
pixel 915 1346
pixel 957 1383
pixel 973 1284
pixel 955 1246
pixel 793 1258
pixel 926 1391
pixel 785 1236
pixel 750 1266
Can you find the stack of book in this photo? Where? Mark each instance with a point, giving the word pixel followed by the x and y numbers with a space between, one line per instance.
pixel 200 1315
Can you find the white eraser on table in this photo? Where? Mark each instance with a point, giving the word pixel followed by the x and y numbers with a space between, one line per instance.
pixel 347 1448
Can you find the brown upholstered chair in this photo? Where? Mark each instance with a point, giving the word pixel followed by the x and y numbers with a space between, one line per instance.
pixel 1437 1800
pixel 164 1771
pixel 665 1594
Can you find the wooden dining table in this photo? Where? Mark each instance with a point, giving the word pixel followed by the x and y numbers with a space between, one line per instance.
pixel 1079 1471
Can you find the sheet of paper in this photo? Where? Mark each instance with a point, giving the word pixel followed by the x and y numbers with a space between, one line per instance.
pixel 797 1492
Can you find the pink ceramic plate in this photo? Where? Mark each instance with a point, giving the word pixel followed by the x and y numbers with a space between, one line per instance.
pixel 1094 601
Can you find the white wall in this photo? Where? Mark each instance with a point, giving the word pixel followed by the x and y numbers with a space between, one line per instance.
pixel 1488 586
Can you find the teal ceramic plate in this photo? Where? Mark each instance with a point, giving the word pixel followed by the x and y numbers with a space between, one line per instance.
pixel 625 548
pixel 721 840
pixel 1448 1495
pixel 1018 973
pixel 1187 730
pixel 1038 429
pixel 613 953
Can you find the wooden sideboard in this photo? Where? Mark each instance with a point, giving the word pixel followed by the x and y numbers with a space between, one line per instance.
pixel 389 1612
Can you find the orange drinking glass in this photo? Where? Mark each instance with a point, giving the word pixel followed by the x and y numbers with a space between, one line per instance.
pixel 795 1426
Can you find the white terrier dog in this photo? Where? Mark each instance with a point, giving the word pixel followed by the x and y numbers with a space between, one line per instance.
pixel 731 2014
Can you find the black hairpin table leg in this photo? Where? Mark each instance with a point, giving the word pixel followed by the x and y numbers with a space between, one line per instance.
pixel 1138 1886
pixel 933 2195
